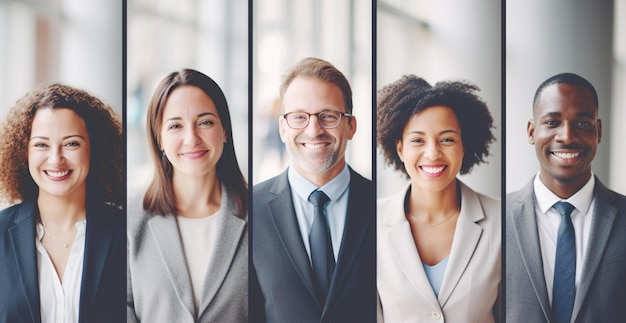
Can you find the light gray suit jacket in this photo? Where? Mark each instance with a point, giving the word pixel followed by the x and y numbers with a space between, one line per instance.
pixel 601 294
pixel 471 284
pixel 159 287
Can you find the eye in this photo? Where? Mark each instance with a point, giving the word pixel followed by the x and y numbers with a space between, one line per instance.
pixel 174 126
pixel 551 123
pixel 72 144
pixel 583 124
pixel 417 140
pixel 328 116
pixel 206 123
pixel 448 140
pixel 299 117
pixel 40 145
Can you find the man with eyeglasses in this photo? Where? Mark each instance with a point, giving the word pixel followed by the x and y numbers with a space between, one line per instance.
pixel 313 226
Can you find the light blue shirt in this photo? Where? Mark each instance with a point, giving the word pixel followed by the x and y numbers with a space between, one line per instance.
pixel 435 274
pixel 337 189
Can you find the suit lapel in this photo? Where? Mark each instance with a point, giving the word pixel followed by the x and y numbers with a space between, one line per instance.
pixel 360 203
pixel 22 236
pixel 527 238
pixel 283 217
pixel 403 249
pixel 229 234
pixel 466 237
pixel 164 231
pixel 601 225
pixel 98 238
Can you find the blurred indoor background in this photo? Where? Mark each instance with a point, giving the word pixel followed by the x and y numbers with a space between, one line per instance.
pixel 165 36
pixel 339 31
pixel 544 38
pixel 443 40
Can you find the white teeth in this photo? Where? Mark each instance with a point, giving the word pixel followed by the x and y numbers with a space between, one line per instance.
pixel 433 170
pixel 57 174
pixel 566 155
pixel 314 146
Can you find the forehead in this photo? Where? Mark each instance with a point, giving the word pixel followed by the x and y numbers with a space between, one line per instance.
pixel 565 99
pixel 187 100
pixel 312 95
pixel 435 118
pixel 57 119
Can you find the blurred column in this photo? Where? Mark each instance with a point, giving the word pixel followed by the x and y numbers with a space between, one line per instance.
pixel 545 38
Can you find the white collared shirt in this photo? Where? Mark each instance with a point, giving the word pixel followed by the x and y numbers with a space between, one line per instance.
pixel 549 219
pixel 60 303
pixel 338 190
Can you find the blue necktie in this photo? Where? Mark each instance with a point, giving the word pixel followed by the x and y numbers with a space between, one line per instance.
pixel 322 257
pixel 564 287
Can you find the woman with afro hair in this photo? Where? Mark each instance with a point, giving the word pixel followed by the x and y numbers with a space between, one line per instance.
pixel 439 242
pixel 63 245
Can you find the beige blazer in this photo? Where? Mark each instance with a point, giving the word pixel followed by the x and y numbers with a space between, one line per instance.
pixel 158 283
pixel 471 284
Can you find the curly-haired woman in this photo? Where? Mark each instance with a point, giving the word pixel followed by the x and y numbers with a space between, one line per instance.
pixel 63 247
pixel 438 241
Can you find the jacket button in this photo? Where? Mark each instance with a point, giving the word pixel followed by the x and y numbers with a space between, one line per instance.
pixel 435 315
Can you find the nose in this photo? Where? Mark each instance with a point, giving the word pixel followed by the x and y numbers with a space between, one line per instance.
pixel 432 151
pixel 566 133
pixel 55 157
pixel 313 129
pixel 191 137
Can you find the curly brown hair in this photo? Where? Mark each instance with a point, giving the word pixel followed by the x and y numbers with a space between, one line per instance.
pixel 401 100
pixel 104 181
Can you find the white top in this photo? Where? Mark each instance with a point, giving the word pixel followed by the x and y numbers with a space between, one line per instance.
pixel 549 219
pixel 60 303
pixel 338 190
pixel 198 237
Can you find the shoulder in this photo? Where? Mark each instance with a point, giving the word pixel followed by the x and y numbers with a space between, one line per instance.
pixel 7 216
pixel 136 215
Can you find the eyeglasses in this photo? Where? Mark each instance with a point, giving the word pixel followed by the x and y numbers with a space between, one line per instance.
pixel 326 119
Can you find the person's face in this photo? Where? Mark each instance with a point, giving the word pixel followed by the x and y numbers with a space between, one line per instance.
pixel 565 131
pixel 192 136
pixel 58 152
pixel 431 148
pixel 315 150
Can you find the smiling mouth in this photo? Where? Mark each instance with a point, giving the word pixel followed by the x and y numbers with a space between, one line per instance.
pixel 195 154
pixel 57 174
pixel 565 155
pixel 315 146
pixel 433 171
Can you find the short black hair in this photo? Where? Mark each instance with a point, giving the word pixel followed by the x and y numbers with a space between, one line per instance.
pixel 399 101
pixel 567 78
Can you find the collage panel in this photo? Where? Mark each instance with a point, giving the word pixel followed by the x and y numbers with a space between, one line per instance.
pixel 565 209
pixel 439 150
pixel 313 212
pixel 187 121
pixel 62 227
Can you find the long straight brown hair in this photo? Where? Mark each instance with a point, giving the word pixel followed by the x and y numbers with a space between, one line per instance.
pixel 159 198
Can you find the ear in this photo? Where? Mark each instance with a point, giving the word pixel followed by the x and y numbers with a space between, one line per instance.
pixel 282 124
pixel 225 137
pixel 352 125
pixel 530 129
pixel 599 130
pixel 399 149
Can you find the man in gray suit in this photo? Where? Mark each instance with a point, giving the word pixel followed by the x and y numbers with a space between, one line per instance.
pixel 313 226
pixel 565 231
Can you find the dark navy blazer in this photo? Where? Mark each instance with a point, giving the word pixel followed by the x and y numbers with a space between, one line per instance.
pixel 103 286
pixel 281 278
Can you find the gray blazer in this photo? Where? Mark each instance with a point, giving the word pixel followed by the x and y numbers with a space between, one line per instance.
pixel 159 287
pixel 471 285
pixel 601 294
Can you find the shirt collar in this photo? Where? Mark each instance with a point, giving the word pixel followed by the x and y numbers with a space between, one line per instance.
pixel 581 200
pixel 334 189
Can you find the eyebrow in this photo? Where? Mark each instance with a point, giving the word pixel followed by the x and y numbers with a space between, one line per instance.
pixel 200 115
pixel 66 137
pixel 440 133
pixel 579 115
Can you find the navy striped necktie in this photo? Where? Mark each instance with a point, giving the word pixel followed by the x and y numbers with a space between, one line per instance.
pixel 564 287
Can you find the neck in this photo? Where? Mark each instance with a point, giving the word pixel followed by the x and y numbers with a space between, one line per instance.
pixel 322 178
pixel 564 189
pixel 61 212
pixel 431 205
pixel 197 196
